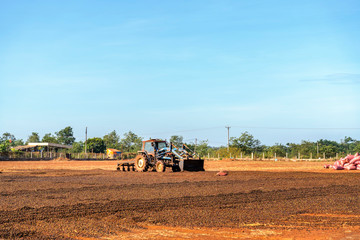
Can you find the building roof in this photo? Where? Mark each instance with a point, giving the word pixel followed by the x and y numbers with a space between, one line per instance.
pixel 33 145
pixel 23 147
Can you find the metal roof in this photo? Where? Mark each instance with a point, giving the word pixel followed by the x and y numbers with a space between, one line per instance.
pixel 32 145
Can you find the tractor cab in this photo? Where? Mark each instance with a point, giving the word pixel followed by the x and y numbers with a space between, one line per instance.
pixel 152 145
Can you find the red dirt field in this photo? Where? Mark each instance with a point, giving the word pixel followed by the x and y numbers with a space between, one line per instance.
pixel 257 200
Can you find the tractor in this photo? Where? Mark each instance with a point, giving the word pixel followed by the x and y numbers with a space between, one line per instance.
pixel 157 154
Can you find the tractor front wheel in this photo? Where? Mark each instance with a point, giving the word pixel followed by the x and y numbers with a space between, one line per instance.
pixel 160 166
pixel 141 164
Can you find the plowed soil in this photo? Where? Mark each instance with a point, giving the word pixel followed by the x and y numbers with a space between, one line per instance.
pixel 257 200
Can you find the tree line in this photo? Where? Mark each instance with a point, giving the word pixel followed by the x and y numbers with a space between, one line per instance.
pixel 244 145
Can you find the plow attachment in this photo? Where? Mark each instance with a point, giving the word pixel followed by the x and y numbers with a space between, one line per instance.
pixel 191 165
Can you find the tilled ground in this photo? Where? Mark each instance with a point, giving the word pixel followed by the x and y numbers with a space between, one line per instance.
pixel 55 204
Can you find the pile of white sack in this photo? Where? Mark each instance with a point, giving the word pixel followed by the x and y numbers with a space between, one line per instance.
pixel 350 162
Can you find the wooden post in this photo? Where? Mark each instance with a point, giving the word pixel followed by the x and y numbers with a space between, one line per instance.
pixel 85 139
pixel 252 156
pixel 230 155
pixel 299 155
pixel 286 155
pixel 337 155
pixel 324 155
pixel 275 155
pixel 208 155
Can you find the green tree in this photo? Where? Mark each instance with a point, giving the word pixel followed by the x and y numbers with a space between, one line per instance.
pixel 246 142
pixel 49 138
pixel 330 148
pixel 202 148
pixel 7 141
pixel 347 144
pixel 65 136
pixel 95 145
pixel 356 147
pixel 111 140
pixel 5 146
pixel 18 142
pixel 7 137
pixel 177 140
pixel 225 153
pixel 78 147
pixel 33 138
pixel 131 142
pixel 279 149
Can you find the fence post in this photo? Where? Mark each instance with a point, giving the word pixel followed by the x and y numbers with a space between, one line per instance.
pixel 299 155
pixel 275 156
pixel 252 156
pixel 218 156
pixel 337 155
pixel 241 155
pixel 286 155
pixel 230 155
pixel 324 155
pixel 263 155
pixel 310 156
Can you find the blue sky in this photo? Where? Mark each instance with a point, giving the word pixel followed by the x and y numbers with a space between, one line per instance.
pixel 281 70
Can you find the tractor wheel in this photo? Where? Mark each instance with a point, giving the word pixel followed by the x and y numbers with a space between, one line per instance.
pixel 160 166
pixel 141 164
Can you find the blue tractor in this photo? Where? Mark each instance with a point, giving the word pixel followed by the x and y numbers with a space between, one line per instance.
pixel 158 155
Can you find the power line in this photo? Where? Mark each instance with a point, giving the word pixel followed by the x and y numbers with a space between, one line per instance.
pixel 255 127
pixel 298 128
pixel 178 131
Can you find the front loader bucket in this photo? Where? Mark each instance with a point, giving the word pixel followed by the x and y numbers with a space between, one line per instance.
pixel 191 165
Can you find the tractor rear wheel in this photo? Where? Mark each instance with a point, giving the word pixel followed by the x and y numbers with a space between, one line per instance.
pixel 141 164
pixel 160 166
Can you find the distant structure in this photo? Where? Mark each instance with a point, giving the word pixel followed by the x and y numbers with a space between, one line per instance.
pixel 113 153
pixel 33 147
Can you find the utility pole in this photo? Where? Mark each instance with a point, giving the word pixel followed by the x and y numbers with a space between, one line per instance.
pixel 228 128
pixel 85 138
pixel 195 145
